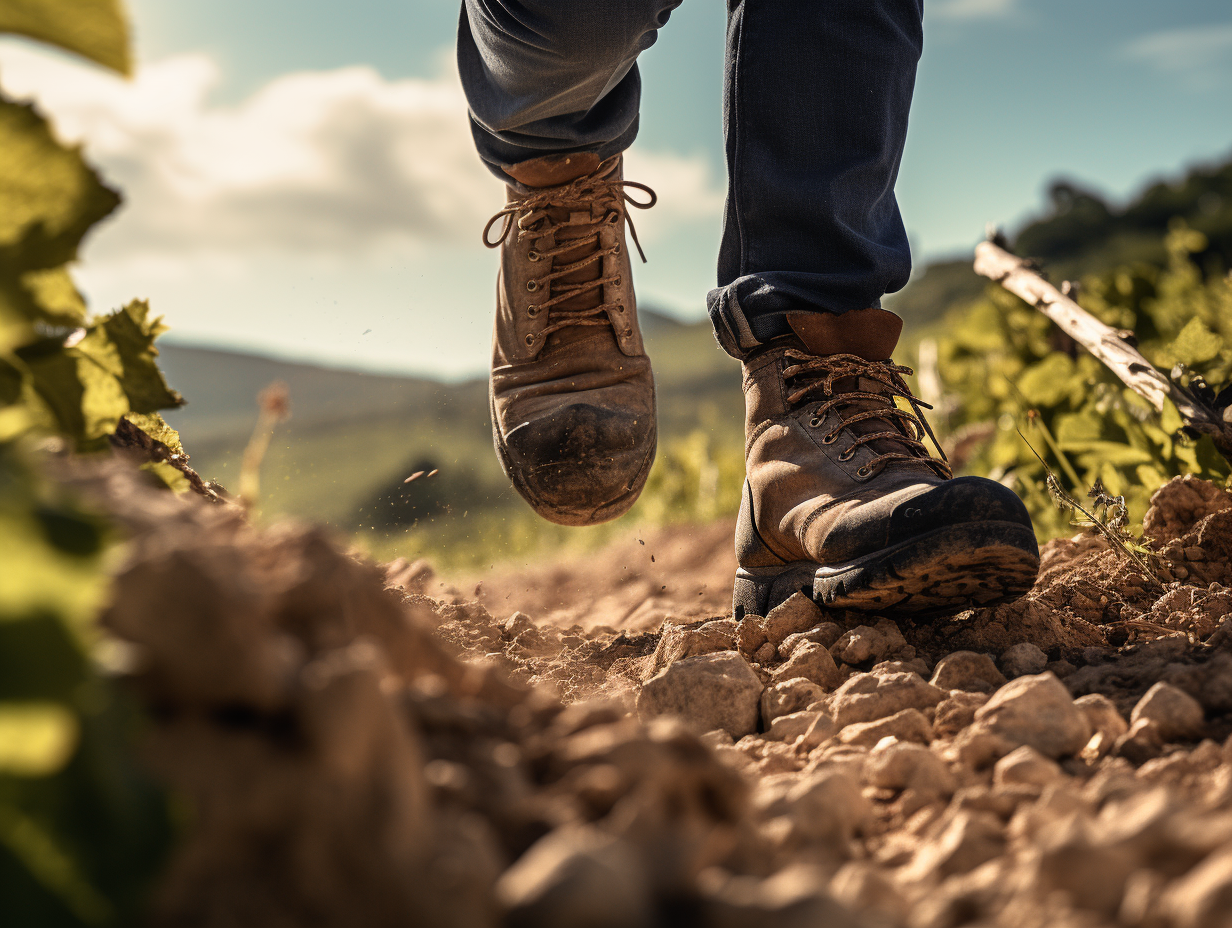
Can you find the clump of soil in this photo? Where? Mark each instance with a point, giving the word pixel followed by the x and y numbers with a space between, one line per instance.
pixel 595 743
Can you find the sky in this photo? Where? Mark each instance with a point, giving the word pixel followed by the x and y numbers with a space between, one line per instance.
pixel 300 181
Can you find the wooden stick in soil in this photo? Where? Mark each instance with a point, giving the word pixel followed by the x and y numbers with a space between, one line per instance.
pixel 1107 344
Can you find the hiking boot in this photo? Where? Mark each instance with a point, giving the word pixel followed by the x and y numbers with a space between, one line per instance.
pixel 842 499
pixel 571 391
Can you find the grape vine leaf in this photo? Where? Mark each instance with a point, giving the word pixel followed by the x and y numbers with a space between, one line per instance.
pixel 94 29
pixel 49 196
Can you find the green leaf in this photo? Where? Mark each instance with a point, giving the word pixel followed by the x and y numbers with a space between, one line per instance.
pixel 94 29
pixel 1094 453
pixel 1048 382
pixel 132 332
pixel 55 296
pixel 1170 419
pixel 49 197
pixel 36 738
pixel 157 428
pixel 1196 344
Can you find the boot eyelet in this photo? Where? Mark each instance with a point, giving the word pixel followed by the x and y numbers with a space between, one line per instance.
pixel 530 340
pixel 532 311
pixel 864 471
pixel 616 249
pixel 628 332
pixel 612 218
pixel 814 422
pixel 620 309
pixel 847 455
pixel 532 285
pixel 829 438
pixel 533 255
pixel 618 281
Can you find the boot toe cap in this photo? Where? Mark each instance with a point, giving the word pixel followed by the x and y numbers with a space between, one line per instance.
pixel 581 464
pixel 956 501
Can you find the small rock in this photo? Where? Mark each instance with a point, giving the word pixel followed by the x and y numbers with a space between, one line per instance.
pixel 789 727
pixel 824 634
pixel 1176 714
pixel 1141 743
pixel 978 748
pixel 812 662
pixel 829 806
pixel 764 654
pixel 708 691
pixel 1102 715
pixel 786 697
pixel 677 643
pixel 866 697
pixel 909 766
pixel 1025 766
pixel 1202 898
pixel 859 645
pixel 1023 659
pixel 956 712
pixel 863 888
pixel 908 725
pixel 967 670
pixel 750 635
pixel 1061 669
pixel 796 614
pixel 970 839
pixel 1036 710
pixel 576 876
pixel 717 738
pixel 821 731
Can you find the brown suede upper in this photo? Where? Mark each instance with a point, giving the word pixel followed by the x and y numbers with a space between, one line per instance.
pixel 815 481
pixel 571 389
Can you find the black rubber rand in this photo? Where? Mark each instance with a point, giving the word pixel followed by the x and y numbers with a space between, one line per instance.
pixel 950 568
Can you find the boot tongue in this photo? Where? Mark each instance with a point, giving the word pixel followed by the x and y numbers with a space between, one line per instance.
pixel 555 171
pixel 869 333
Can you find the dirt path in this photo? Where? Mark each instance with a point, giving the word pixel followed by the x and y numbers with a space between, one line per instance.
pixel 596 742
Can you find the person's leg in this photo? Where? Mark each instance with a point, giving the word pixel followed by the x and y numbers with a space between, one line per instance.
pixel 553 91
pixel 816 102
pixel 843 497
pixel 546 77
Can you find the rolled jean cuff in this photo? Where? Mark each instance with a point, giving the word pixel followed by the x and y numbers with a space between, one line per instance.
pixel 501 150
pixel 752 310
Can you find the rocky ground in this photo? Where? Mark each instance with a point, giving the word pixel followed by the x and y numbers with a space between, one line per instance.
pixel 598 743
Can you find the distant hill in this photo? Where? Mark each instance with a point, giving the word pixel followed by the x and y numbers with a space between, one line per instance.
pixel 1081 234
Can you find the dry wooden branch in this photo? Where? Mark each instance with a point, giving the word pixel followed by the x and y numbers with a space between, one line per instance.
pixel 1109 345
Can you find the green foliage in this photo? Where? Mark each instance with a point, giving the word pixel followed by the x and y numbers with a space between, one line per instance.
pixel 1006 365
pixel 82 830
pixel 95 29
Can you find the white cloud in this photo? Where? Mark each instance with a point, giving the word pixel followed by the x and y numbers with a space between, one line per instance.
pixel 329 163
pixel 971 9
pixel 1200 55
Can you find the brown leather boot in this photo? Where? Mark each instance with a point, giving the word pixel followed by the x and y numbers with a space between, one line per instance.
pixel 572 395
pixel 843 501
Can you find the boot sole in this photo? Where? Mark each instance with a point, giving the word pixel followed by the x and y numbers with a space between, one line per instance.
pixel 955 567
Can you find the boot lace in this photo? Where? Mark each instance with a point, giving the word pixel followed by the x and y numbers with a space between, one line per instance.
pixel 533 219
pixel 817 375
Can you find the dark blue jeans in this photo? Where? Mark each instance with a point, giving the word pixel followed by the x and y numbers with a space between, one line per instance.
pixel 817 94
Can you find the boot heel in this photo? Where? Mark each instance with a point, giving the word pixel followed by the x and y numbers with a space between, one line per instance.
pixel 758 590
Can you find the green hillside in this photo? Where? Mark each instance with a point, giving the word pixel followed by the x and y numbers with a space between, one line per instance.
pixel 1081 233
